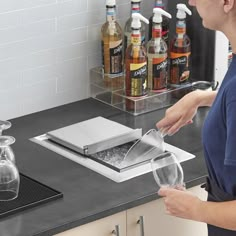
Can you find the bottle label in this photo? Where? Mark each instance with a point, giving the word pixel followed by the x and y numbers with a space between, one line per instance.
pixel 135 7
pixel 179 67
pixel 115 48
pixel 111 14
pixel 136 39
pixel 156 33
pixel 138 75
pixel 159 71
pixel 180 27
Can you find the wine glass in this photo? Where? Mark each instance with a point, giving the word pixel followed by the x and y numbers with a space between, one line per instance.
pixel 9 174
pixel 5 124
pixel 167 171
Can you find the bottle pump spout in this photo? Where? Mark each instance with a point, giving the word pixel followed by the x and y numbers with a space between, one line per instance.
pixel 182 10
pixel 136 22
pixel 110 3
pixel 158 12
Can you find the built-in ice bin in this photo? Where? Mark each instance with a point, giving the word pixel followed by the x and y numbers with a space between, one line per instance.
pixel 101 145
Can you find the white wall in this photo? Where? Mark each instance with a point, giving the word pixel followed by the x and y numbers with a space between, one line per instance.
pixel 47 48
pixel 221 56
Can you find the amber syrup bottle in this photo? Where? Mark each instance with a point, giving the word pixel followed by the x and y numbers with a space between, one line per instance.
pixel 157 52
pixel 165 23
pixel 112 41
pixel 180 50
pixel 136 67
pixel 136 61
pixel 135 8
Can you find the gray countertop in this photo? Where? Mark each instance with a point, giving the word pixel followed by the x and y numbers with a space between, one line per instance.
pixel 87 195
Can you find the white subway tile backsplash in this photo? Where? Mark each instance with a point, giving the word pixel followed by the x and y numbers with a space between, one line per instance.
pixel 39 13
pixel 42 42
pixel 36 75
pixel 97 16
pixel 94 61
pixel 10 19
pixel 71 22
pixel 23 32
pixel 14 5
pixel 100 4
pixel 41 89
pixel 47 48
pixel 94 32
pixel 72 51
pixel 11 110
pixel 9 81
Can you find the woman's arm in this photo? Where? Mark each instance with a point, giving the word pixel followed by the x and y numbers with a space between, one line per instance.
pixel 182 112
pixel 184 204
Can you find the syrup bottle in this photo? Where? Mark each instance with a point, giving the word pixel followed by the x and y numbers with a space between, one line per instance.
pixel 165 23
pixel 180 49
pixel 136 60
pixel 157 52
pixel 112 41
pixel 135 8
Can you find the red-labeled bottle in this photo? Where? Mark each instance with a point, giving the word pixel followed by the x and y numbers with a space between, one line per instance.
pixel 180 50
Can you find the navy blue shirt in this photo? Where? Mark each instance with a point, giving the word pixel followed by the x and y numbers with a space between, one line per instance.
pixel 219 134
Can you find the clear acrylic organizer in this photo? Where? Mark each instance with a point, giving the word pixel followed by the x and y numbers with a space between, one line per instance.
pixel 110 89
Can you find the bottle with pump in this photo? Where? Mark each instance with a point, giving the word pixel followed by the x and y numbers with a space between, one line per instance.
pixel 165 23
pixel 112 41
pixel 136 60
pixel 135 8
pixel 180 49
pixel 157 52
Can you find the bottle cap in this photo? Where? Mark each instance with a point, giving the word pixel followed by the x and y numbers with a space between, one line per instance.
pixel 136 1
pixel 110 3
pixel 159 3
pixel 182 9
pixel 136 22
pixel 158 12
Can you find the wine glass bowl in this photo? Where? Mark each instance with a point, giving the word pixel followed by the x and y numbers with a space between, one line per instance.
pixel 4 124
pixel 167 171
pixel 9 174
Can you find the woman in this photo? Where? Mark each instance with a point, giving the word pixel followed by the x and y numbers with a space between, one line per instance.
pixel 218 137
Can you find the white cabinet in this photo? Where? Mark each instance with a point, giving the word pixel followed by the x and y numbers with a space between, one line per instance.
pixel 157 223
pixel 107 226
pixel 148 219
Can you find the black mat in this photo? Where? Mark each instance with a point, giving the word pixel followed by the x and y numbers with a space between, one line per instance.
pixel 32 193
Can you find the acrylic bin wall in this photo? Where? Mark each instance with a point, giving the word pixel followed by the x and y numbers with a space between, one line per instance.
pixel 110 90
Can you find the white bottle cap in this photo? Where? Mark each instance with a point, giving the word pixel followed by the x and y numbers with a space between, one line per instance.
pixel 136 1
pixel 182 9
pixel 158 12
pixel 110 3
pixel 136 22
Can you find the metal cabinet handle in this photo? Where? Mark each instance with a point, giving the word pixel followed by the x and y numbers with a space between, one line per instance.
pixel 141 224
pixel 116 231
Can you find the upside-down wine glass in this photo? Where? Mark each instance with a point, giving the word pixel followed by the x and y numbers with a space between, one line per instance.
pixel 4 125
pixel 9 174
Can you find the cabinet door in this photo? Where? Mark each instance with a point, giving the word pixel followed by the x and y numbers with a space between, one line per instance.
pixel 157 223
pixel 107 226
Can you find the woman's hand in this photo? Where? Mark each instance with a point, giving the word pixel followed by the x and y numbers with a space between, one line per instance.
pixel 180 114
pixel 181 203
